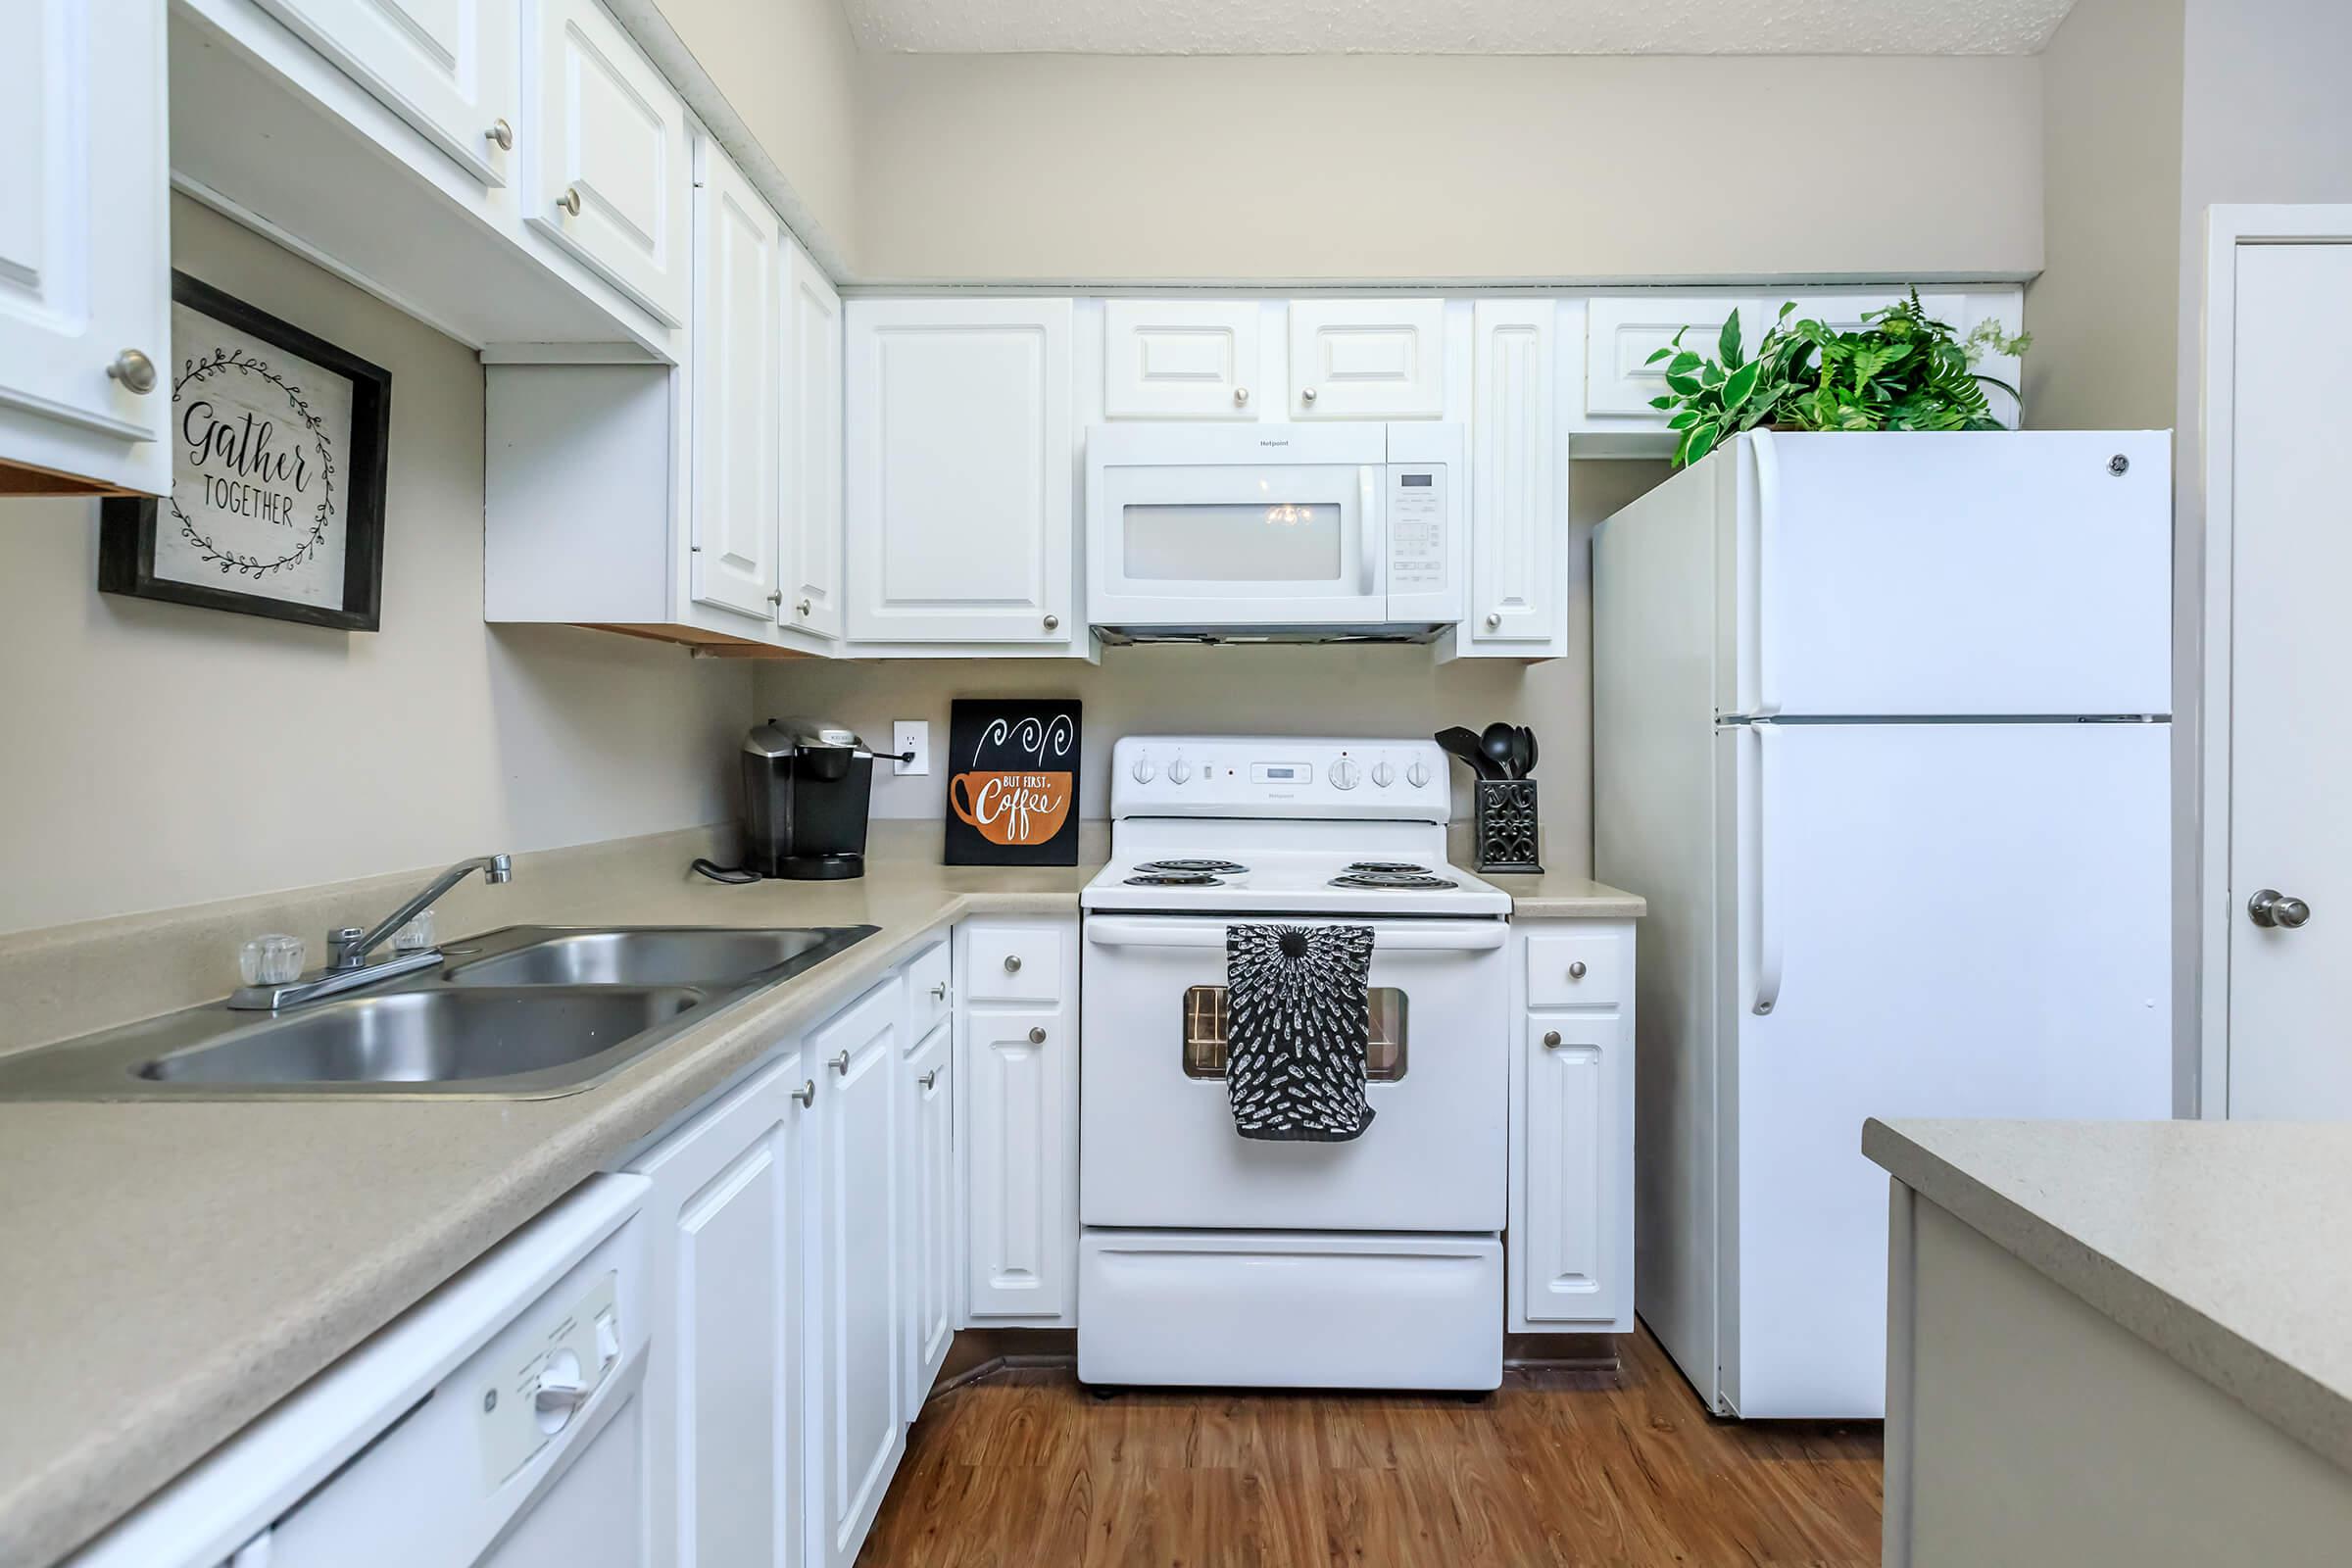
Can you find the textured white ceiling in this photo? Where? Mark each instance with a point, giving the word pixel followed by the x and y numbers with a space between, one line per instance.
pixel 1457 27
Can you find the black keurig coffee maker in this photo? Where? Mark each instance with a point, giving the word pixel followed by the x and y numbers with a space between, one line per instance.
pixel 805 788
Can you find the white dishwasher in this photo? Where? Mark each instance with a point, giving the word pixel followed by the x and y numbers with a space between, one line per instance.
pixel 496 1424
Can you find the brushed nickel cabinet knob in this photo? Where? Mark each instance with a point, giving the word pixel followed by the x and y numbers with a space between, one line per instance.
pixel 1037 1036
pixel 1308 395
pixel 1240 397
pixel 1551 1040
pixel 134 370
pixel 569 201
pixel 503 134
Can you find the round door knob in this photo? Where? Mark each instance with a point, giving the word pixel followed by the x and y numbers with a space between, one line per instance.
pixel 1383 774
pixel 1344 774
pixel 1307 396
pixel 929 1078
pixel 1037 1036
pixel 801 608
pixel 1494 620
pixel 939 992
pixel 841 1065
pixel 1179 770
pixel 1143 771
pixel 502 134
pixel 1240 396
pixel 1551 1040
pixel 1576 969
pixel 806 1094
pixel 1417 775
pixel 561 1392
pixel 1052 621
pixel 1012 964
pixel 134 370
pixel 775 598
pixel 2272 907
pixel 569 201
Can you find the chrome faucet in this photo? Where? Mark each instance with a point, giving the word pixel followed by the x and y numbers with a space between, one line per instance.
pixel 347 948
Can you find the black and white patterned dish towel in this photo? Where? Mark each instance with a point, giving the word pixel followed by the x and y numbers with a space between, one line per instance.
pixel 1298 1020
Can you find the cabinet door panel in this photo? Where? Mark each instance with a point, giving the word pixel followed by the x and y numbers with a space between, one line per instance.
pixel 931 1212
pixel 813 518
pixel 1367 359
pixel 1020 1198
pixel 856 1060
pixel 727 1394
pixel 1573 1135
pixel 737 413
pixel 962 466
pixel 1516 576
pixel 1180 359
pixel 84 265
pixel 608 134
pixel 1622 332
pixel 446 66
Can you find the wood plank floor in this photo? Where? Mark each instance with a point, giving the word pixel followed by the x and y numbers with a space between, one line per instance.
pixel 1583 1468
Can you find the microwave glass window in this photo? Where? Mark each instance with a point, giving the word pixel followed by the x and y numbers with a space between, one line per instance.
pixel 1274 541
pixel 1204 1034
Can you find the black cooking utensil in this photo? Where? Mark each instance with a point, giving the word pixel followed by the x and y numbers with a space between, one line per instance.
pixel 1496 742
pixel 1526 753
pixel 1462 745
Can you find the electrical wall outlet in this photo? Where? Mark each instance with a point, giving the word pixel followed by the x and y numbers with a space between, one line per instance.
pixel 911 736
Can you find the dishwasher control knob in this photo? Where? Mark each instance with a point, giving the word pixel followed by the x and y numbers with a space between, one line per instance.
pixel 1143 771
pixel 561 1392
pixel 1344 774
pixel 1384 774
pixel 1179 770
pixel 1417 775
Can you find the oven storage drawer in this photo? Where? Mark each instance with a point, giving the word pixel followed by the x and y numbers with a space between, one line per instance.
pixel 1579 969
pixel 1277 1310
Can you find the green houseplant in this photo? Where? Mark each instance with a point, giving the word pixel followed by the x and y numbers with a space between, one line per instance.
pixel 1901 370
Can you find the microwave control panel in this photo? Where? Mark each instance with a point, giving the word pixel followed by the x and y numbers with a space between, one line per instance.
pixel 1416 527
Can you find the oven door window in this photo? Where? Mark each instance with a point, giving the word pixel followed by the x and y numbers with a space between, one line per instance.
pixel 1204 1047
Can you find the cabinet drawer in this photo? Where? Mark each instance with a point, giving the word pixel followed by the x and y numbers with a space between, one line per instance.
pixel 1014 964
pixel 929 995
pixel 1576 968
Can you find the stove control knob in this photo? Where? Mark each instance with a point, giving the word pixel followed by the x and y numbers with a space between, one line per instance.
pixel 1344 774
pixel 1179 770
pixel 1417 775
pixel 1143 771
pixel 1384 774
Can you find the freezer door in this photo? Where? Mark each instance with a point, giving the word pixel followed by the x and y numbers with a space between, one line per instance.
pixel 1993 574
pixel 1935 920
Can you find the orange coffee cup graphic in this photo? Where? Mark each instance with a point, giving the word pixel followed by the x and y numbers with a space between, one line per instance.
pixel 1011 806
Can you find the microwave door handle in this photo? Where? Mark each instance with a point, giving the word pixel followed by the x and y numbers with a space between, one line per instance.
pixel 1371 524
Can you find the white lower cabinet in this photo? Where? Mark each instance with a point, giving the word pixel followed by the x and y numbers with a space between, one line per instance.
pixel 1570 1245
pixel 860 1428
pixel 931 1209
pixel 728 1394
pixel 1018 1108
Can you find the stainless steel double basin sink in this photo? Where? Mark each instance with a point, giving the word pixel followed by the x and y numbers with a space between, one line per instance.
pixel 524 1012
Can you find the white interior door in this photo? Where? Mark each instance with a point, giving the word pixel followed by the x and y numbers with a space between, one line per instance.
pixel 2289 646
pixel 446 66
pixel 1938 920
pixel 738 414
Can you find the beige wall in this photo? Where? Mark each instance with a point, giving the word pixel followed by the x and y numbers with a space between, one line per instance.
pixel 1278 691
pixel 158 755
pixel 789 69
pixel 1061 168
pixel 2103 356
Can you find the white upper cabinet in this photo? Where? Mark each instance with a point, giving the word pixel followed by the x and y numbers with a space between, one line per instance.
pixel 606 146
pixel 962 464
pixel 737 416
pixel 1518 501
pixel 446 66
pixel 85 284
pixel 811 544
pixel 1181 360
pixel 1622 332
pixel 1367 359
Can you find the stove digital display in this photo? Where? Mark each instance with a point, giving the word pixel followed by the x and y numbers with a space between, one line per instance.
pixel 1280 772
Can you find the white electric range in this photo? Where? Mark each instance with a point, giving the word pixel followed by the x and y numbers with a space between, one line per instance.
pixel 1207 1259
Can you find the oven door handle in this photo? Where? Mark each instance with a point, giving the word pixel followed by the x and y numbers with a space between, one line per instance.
pixel 1462 936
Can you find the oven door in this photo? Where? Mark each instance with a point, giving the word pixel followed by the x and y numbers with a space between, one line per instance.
pixel 1157 1145
pixel 1198 528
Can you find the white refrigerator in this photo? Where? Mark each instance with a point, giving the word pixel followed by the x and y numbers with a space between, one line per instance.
pixel 1881 730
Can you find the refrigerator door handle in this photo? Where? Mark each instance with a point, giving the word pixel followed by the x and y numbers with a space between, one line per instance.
pixel 1768 512
pixel 1768 930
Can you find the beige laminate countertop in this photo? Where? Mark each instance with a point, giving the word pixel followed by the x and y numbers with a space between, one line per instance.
pixel 2227 1245
pixel 169 1271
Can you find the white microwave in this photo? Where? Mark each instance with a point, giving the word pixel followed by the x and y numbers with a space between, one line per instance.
pixel 1263 532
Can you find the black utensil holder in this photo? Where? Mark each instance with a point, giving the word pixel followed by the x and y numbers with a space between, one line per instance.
pixel 1504 817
